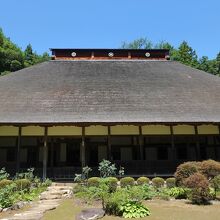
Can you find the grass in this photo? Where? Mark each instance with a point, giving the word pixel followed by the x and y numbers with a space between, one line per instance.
pixel 160 210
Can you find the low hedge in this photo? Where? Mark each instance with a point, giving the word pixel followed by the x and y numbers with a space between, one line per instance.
pixel 143 180
pixel 94 181
pixel 127 181
pixel 5 182
pixel 158 182
pixel 22 184
pixel 171 182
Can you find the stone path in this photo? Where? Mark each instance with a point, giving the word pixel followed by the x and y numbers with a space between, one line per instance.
pixel 49 200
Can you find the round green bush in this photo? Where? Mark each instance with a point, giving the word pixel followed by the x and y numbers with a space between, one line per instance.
pixel 158 182
pixel 186 169
pixel 22 184
pixel 112 182
pixel 171 182
pixel 5 182
pixel 94 181
pixel 143 180
pixel 127 181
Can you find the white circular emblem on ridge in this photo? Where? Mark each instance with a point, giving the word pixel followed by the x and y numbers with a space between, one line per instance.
pixel 73 54
pixel 147 54
pixel 110 54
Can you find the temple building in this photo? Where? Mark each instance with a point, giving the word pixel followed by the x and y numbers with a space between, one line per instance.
pixel 135 108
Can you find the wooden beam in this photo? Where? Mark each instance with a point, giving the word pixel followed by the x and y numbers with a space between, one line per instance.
pixel 140 140
pixel 45 154
pixel 83 150
pixel 198 155
pixel 172 143
pixel 18 149
pixel 109 144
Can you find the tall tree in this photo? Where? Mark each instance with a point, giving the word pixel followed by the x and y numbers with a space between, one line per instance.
pixel 141 43
pixel 186 55
pixel 12 58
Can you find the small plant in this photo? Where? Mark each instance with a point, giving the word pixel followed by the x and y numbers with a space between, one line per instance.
pixel 83 176
pixel 29 174
pixel 107 169
pixel 143 180
pixel 133 209
pixel 7 196
pixel 170 182
pixel 5 182
pixel 178 192
pixel 46 183
pixel 114 200
pixel 121 171
pixel 22 184
pixel 127 181
pixel 158 182
pixel 148 192
pixel 3 174
pixel 93 181
pixel 85 172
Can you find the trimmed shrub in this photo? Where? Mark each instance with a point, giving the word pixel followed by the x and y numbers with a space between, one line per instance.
pixel 5 182
pixel 196 180
pixel 171 182
pixel 112 183
pixel 200 188
pixel 210 168
pixel 143 180
pixel 127 181
pixel 22 184
pixel 186 169
pixel 158 182
pixel 94 181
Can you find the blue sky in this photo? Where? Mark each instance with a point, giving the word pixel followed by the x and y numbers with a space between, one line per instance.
pixel 107 23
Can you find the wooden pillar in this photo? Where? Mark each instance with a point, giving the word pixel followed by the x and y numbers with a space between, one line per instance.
pixel 141 149
pixel 83 149
pixel 109 144
pixel 172 143
pixel 198 155
pixel 18 150
pixel 216 146
pixel 52 157
pixel 45 154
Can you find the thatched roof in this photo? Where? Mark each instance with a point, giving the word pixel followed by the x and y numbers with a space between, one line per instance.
pixel 109 91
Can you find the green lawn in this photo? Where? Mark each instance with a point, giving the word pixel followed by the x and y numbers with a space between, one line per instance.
pixel 160 210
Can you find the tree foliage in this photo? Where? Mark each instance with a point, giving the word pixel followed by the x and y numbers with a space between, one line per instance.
pixel 184 54
pixel 12 58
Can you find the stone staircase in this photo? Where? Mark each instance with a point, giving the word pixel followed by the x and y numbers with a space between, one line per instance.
pixel 48 200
